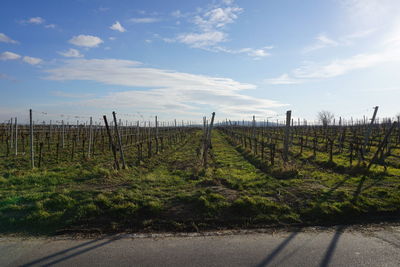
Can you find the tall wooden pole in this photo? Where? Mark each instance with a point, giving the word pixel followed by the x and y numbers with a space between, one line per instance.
pixel 121 152
pixel 287 132
pixel 11 133
pixel 382 144
pixel 207 141
pixel 16 136
pixel 90 137
pixel 111 143
pixel 62 134
pixel 31 139
pixel 156 121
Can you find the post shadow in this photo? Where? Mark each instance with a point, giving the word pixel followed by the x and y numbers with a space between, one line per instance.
pixel 71 249
pixel 359 189
pixel 332 246
pixel 326 195
pixel 294 251
pixel 277 250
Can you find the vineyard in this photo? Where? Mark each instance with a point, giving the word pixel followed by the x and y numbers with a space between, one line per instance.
pixel 108 175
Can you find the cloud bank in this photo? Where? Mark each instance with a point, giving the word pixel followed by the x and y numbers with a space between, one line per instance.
pixel 160 90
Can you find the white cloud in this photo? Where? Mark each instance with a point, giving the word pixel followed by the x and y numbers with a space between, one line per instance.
pixel 323 41
pixel 102 9
pixel 112 38
pixel 342 66
pixel 9 56
pixel 210 30
pixel 204 39
pixel 144 20
pixel 5 39
pixel 371 13
pixel 217 17
pixel 167 90
pixel 12 56
pixel 36 20
pixel 338 67
pixel 86 40
pixel 32 60
pixel 71 53
pixel 385 50
pixel 210 26
pixel 283 79
pixel 255 53
pixel 117 27
pixel 50 26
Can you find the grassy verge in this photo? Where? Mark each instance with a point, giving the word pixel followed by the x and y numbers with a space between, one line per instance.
pixel 171 192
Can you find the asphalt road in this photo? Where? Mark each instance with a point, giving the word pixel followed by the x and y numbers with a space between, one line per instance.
pixel 339 246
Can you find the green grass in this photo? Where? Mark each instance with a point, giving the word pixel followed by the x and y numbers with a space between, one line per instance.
pixel 172 192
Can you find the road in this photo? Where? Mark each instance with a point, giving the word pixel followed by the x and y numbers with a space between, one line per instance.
pixel 340 246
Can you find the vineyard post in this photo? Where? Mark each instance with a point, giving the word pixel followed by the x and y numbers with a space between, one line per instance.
pixel 31 139
pixel 90 136
pixel 156 122
pixel 50 129
pixel 398 127
pixel 253 133
pixel 287 132
pixel 368 133
pixel 111 143
pixel 137 131
pixel 207 141
pixel 16 137
pixel 119 141
pixel 77 129
pixel 62 134
pixel 11 133
pixel 382 144
pixel 253 145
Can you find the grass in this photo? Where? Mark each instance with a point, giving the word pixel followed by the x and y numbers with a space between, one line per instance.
pixel 172 192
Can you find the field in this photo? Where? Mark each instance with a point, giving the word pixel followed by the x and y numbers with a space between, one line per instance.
pixel 173 178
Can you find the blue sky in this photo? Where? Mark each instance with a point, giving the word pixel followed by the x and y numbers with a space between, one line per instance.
pixel 185 59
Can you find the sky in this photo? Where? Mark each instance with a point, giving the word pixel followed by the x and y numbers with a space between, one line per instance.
pixel 185 59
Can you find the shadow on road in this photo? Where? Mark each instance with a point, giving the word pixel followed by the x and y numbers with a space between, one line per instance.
pixel 296 250
pixel 88 246
pixel 277 250
pixel 330 251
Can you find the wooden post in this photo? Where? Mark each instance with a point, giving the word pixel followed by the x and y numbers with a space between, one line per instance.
pixel 31 139
pixel 207 141
pixel 90 137
pixel 156 122
pixel 382 144
pixel 62 134
pixel 111 143
pixel 119 141
pixel 11 133
pixel 16 137
pixel 50 129
pixel 287 132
